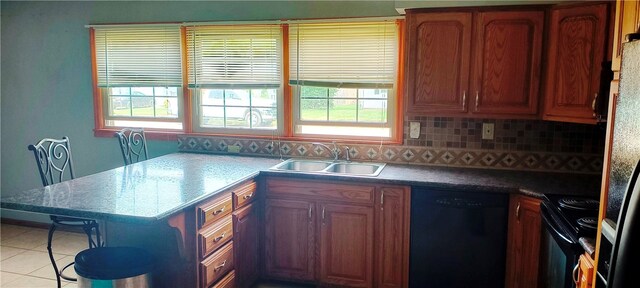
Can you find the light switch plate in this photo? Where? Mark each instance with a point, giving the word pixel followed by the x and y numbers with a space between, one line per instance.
pixel 487 131
pixel 414 130
pixel 233 149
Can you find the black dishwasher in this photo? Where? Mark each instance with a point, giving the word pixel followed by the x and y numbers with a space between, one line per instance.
pixel 458 239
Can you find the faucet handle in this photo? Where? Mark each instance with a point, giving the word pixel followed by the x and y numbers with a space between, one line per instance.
pixel 336 152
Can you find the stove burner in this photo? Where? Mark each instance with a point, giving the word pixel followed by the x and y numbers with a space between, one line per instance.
pixel 578 203
pixel 588 222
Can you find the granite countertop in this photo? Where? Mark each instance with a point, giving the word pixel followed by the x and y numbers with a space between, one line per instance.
pixel 535 184
pixel 159 187
pixel 146 191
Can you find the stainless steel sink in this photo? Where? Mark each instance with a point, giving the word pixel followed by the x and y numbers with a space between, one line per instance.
pixel 325 167
pixel 302 165
pixel 355 168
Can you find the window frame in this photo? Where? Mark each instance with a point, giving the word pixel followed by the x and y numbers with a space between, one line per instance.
pixel 101 105
pixel 197 109
pixel 195 90
pixel 390 124
pixel 286 119
pixel 106 104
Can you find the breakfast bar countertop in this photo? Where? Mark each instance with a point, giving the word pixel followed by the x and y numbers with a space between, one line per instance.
pixel 145 191
pixel 157 188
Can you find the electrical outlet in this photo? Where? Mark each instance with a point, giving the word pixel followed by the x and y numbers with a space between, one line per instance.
pixel 233 149
pixel 414 130
pixel 487 131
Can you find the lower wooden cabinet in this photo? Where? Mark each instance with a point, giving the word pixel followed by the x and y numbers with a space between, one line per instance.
pixel 217 265
pixel 346 245
pixel 229 281
pixel 289 239
pixel 585 271
pixel 523 243
pixel 227 237
pixel 392 234
pixel 247 244
pixel 346 235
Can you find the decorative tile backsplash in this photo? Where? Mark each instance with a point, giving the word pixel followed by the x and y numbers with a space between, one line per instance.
pixel 517 145
pixel 509 135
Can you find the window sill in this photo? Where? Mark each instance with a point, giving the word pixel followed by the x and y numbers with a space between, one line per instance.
pixel 173 136
pixel 149 134
pixel 301 138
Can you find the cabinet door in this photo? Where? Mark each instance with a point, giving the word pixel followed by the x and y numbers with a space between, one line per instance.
pixel 346 245
pixel 392 238
pixel 523 246
pixel 247 243
pixel 438 52
pixel 627 21
pixel 576 51
pixel 289 239
pixel 585 274
pixel 506 73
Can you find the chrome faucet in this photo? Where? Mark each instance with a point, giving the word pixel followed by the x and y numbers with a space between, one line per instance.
pixel 335 151
pixel 346 153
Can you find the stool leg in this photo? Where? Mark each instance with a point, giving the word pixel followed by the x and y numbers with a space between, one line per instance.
pixel 98 238
pixel 52 229
pixel 88 228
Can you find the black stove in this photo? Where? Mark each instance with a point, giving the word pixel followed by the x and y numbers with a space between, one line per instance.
pixel 578 203
pixel 578 214
pixel 565 220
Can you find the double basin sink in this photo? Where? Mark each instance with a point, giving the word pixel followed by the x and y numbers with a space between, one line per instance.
pixel 328 167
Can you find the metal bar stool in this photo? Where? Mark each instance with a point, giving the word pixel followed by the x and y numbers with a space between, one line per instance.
pixel 55 165
pixel 133 145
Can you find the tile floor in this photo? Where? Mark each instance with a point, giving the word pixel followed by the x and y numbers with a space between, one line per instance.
pixel 24 259
pixel 25 262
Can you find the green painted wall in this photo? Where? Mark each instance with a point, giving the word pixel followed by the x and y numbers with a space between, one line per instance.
pixel 46 72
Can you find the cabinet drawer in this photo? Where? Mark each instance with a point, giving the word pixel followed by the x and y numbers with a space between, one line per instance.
pixel 228 281
pixel 244 195
pixel 213 211
pixel 216 265
pixel 213 237
pixel 321 190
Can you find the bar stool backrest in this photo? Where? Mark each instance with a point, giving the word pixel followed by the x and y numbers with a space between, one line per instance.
pixel 54 160
pixel 133 145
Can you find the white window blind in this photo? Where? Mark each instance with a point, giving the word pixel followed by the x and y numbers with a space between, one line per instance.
pixel 343 54
pixel 227 56
pixel 138 56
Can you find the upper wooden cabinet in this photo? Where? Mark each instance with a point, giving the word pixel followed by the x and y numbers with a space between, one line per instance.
pixel 438 59
pixel 504 78
pixel 627 21
pixel 575 55
pixel 506 73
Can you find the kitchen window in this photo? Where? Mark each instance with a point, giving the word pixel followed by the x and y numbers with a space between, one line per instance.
pixel 139 75
pixel 344 78
pixel 236 76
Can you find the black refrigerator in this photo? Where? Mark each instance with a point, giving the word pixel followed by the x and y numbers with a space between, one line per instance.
pixel 621 226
